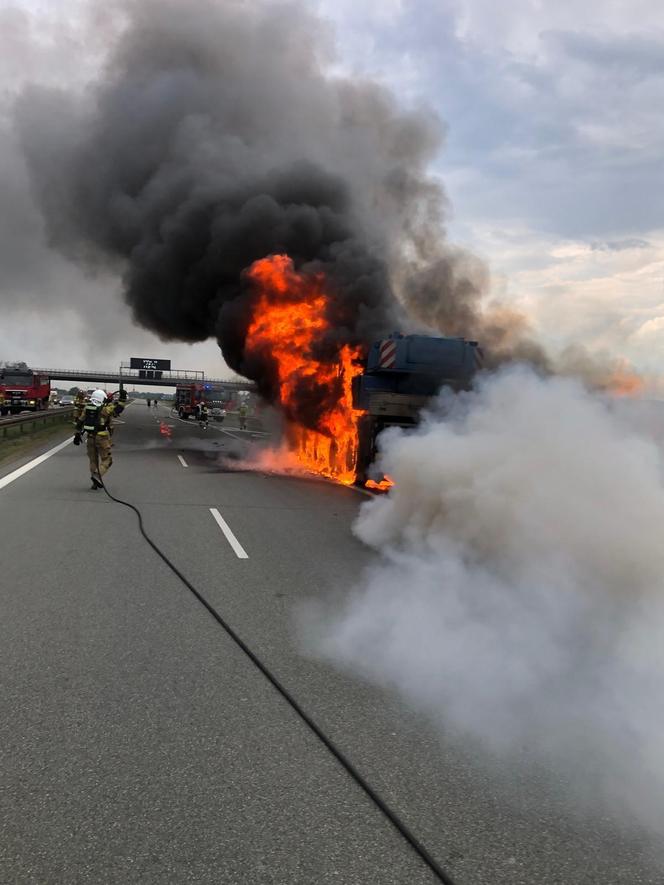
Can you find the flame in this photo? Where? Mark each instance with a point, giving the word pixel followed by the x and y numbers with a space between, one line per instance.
pixel 384 485
pixel 290 320
pixel 165 429
pixel 624 381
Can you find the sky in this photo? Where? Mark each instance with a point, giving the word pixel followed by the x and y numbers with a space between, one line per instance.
pixel 552 165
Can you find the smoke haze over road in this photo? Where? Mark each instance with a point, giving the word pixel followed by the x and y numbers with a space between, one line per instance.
pixel 518 596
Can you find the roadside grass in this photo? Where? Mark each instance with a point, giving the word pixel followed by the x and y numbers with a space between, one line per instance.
pixel 19 444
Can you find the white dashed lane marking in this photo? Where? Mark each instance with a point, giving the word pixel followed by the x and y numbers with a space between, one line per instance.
pixel 239 550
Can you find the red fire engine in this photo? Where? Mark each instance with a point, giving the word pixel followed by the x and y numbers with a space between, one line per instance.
pixel 187 397
pixel 21 390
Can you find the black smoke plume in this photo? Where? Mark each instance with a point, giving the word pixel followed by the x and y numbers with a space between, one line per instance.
pixel 216 135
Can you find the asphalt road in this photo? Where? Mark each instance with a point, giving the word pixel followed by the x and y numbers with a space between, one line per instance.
pixel 139 745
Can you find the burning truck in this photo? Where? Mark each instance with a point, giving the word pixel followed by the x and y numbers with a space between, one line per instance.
pixel 337 400
pixel 403 372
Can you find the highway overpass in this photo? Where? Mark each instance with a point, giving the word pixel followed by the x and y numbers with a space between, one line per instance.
pixel 131 377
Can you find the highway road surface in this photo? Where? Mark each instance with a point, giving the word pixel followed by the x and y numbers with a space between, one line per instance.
pixel 138 744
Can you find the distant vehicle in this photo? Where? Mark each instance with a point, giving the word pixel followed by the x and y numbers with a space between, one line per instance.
pixel 67 401
pixel 21 390
pixel 187 396
pixel 218 414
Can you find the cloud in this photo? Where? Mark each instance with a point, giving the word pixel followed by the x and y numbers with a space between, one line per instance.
pixel 553 152
pixel 634 56
pixel 549 120
pixel 620 245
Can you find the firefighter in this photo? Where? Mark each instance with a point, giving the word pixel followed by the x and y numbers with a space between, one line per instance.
pixel 79 405
pixel 243 416
pixel 96 421
pixel 203 415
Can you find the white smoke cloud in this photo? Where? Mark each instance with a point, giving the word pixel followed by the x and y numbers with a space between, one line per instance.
pixel 519 595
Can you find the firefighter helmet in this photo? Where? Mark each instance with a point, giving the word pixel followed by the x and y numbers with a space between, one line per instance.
pixel 97 397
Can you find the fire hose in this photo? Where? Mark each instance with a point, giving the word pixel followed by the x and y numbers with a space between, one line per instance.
pixel 343 760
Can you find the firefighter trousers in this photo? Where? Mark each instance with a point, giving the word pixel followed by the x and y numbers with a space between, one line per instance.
pixel 99 454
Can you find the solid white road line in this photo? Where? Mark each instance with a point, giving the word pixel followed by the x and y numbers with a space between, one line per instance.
pixel 240 552
pixel 5 480
pixel 182 461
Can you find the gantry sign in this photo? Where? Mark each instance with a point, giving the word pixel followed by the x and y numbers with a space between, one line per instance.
pixel 148 367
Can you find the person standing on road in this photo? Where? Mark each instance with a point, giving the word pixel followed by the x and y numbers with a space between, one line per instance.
pixel 79 405
pixel 243 410
pixel 203 415
pixel 97 421
pixel 149 401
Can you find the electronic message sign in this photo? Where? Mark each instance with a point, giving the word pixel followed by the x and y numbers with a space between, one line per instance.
pixel 142 362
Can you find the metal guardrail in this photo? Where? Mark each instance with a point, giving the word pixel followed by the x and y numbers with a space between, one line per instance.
pixel 25 424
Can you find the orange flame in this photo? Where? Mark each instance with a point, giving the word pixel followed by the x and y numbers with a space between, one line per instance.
pixel 624 381
pixel 165 429
pixel 290 319
pixel 384 485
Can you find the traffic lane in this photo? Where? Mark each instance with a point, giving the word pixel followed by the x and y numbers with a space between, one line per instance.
pixel 511 822
pixel 136 741
pixel 229 428
pixel 489 825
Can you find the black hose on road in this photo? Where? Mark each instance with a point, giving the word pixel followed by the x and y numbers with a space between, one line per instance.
pixel 392 816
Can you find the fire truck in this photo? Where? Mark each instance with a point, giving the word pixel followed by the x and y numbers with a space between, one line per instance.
pixel 402 374
pixel 22 390
pixel 187 396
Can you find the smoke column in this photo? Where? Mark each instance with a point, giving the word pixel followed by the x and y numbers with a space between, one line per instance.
pixel 216 135
pixel 518 594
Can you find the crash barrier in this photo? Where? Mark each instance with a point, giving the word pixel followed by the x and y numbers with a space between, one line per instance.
pixel 25 424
